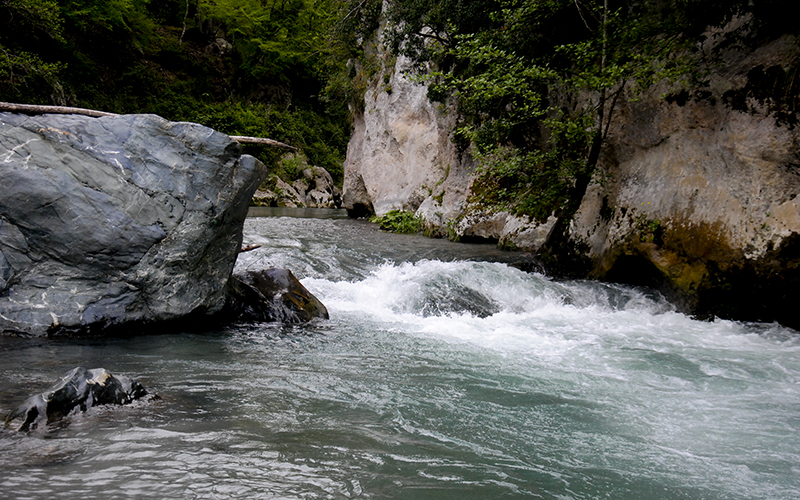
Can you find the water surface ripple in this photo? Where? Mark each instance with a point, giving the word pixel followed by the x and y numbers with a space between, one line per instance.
pixel 443 373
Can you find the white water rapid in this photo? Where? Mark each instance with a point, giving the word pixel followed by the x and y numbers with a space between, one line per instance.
pixel 444 372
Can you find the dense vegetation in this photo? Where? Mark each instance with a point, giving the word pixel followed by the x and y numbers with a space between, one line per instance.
pixel 244 67
pixel 536 81
pixel 398 221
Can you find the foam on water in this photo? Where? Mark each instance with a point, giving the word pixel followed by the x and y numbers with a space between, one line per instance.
pixel 443 372
pixel 679 399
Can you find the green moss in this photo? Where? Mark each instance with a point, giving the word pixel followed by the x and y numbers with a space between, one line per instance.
pixel 508 245
pixel 650 230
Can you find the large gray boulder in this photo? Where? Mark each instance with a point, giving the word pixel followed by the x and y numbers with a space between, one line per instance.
pixel 119 220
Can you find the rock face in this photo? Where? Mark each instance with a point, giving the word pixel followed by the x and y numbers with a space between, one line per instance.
pixel 116 220
pixel 79 388
pixel 400 156
pixel 314 189
pixel 700 199
pixel 272 295
pixel 702 195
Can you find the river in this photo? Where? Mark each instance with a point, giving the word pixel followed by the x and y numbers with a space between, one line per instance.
pixel 444 372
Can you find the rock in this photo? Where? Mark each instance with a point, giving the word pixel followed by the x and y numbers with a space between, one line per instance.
pixel 116 221
pixel 355 198
pixel 79 388
pixel 701 201
pixel 219 47
pixel 318 189
pixel 275 192
pixel 314 189
pixel 271 295
pixel 400 153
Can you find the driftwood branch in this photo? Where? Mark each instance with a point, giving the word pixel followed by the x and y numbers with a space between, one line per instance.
pixel 261 140
pixel 249 248
pixel 65 110
pixel 62 110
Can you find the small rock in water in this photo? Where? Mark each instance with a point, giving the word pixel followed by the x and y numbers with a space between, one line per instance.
pixel 272 295
pixel 78 388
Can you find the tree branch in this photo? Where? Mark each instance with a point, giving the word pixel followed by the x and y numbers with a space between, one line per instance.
pixel 434 37
pixel 262 141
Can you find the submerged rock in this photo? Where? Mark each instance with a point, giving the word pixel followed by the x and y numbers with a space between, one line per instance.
pixel 447 297
pixel 79 388
pixel 271 295
pixel 113 221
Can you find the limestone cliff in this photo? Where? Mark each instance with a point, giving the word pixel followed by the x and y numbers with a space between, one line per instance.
pixel 698 196
pixel 400 154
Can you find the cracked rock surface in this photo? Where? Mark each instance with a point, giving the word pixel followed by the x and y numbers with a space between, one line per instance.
pixel 119 220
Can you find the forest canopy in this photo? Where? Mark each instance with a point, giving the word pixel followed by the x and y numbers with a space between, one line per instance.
pixel 244 67
pixel 536 82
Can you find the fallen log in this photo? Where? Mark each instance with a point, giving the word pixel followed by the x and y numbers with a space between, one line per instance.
pixel 61 110
pixel 249 248
pixel 261 140
pixel 66 110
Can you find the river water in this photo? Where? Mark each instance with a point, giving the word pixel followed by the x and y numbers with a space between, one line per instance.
pixel 444 372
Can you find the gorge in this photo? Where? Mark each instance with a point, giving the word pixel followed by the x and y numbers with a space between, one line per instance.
pixel 633 339
pixel 695 194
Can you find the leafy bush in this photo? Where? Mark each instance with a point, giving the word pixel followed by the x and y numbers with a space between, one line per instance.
pixel 398 221
pixel 320 137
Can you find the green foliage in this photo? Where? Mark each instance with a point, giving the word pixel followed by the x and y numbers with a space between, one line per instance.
pixel 291 166
pixel 97 15
pixel 250 67
pixel 273 38
pixel 398 221
pixel 321 139
pixel 533 183
pixel 27 29
pixel 537 81
pixel 650 231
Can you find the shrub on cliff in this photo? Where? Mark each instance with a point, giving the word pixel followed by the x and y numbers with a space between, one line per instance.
pixel 398 221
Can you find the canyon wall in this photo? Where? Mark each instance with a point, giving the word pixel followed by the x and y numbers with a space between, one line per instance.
pixel 697 197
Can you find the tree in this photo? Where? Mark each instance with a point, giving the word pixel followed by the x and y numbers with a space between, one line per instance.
pixel 26 27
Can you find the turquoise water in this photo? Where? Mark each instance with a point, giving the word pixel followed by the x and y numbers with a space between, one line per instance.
pixel 443 372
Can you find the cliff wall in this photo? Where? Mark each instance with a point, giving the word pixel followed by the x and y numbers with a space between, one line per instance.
pixel 697 197
pixel 400 154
